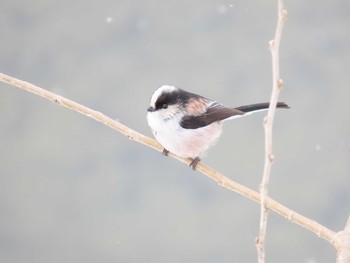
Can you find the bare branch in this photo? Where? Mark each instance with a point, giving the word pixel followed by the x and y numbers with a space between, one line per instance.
pixel 222 180
pixel 268 124
pixel 342 244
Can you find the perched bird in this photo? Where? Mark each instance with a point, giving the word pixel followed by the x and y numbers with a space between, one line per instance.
pixel 188 124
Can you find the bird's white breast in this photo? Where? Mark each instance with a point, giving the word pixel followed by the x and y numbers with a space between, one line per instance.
pixel 190 143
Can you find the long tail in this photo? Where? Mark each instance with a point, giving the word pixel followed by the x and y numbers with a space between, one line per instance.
pixel 261 106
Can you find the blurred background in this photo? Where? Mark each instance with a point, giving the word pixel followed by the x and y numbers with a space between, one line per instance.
pixel 73 190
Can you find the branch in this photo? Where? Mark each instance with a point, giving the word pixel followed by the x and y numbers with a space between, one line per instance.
pixel 343 244
pixel 268 124
pixel 222 180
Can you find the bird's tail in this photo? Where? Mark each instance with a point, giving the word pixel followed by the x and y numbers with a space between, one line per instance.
pixel 261 106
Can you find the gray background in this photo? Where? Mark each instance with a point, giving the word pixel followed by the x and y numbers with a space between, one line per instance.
pixel 73 190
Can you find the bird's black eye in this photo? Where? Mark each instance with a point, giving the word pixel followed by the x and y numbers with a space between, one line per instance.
pixel 165 105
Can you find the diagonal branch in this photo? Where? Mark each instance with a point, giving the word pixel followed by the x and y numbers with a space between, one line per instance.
pixel 222 180
pixel 268 124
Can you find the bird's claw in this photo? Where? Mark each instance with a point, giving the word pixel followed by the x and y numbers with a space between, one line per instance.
pixel 194 163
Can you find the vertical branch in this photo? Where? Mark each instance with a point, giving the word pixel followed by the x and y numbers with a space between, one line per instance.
pixel 343 244
pixel 268 123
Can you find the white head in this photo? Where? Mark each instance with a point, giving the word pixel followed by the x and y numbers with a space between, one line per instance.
pixel 168 101
pixel 165 89
pixel 165 102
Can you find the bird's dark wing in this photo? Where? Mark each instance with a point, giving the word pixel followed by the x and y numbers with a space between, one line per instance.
pixel 215 112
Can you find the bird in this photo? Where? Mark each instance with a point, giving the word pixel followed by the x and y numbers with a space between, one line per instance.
pixel 187 124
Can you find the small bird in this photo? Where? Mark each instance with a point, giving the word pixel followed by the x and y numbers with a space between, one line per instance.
pixel 188 124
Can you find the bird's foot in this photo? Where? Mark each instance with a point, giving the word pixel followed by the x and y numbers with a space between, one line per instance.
pixel 165 152
pixel 194 163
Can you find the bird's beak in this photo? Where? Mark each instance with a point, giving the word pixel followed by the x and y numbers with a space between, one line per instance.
pixel 150 109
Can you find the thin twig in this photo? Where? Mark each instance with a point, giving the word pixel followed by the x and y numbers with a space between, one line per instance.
pixel 222 180
pixel 268 124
